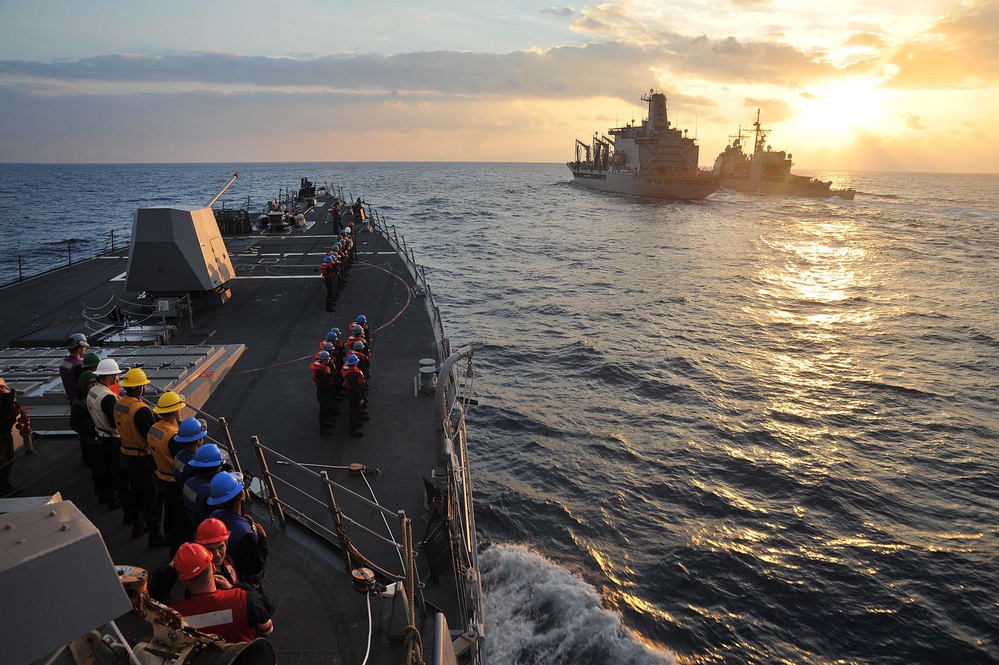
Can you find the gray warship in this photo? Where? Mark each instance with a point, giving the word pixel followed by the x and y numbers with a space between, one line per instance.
pixel 373 549
pixel 651 159
pixel 767 171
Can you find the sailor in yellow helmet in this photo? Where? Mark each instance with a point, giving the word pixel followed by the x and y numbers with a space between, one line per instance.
pixel 160 440
pixel 133 420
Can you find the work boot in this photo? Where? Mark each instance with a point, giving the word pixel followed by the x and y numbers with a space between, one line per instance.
pixel 113 503
pixel 157 538
pixel 139 529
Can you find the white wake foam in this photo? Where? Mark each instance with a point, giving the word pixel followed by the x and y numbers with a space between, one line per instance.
pixel 538 613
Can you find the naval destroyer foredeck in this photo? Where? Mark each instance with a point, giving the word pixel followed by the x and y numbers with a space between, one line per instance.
pixel 277 312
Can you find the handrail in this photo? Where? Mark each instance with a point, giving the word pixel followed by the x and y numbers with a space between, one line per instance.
pixel 108 248
pixel 272 499
pixel 314 474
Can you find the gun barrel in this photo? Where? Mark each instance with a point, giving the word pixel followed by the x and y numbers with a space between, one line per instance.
pixel 219 195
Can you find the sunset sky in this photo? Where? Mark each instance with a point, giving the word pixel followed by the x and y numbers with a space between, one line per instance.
pixel 872 85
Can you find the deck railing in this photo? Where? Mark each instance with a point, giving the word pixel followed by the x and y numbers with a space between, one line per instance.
pixel 110 245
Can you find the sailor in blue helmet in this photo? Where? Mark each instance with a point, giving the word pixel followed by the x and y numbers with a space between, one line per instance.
pixel 353 386
pixel 363 322
pixel 205 465
pixel 323 378
pixel 247 539
pixel 191 433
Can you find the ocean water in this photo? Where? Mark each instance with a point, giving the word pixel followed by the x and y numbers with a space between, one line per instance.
pixel 743 430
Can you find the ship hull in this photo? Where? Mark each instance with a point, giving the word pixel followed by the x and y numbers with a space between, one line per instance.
pixel 679 188
pixel 809 189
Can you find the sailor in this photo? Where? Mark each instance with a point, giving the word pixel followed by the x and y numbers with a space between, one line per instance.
pixel 133 420
pixel 329 272
pixel 322 377
pixel 363 322
pixel 205 465
pixel 101 401
pixel 353 386
pixel 213 535
pixel 90 360
pixel 8 416
pixel 239 614
pixel 160 442
pixel 335 212
pixel 363 360
pixel 356 335
pixel 100 459
pixel 348 234
pixel 247 540
pixel 72 365
pixel 191 434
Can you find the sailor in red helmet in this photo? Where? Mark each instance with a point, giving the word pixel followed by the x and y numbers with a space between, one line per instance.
pixel 214 534
pixel 239 614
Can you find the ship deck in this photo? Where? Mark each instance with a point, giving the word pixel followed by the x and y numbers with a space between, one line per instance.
pixel 277 312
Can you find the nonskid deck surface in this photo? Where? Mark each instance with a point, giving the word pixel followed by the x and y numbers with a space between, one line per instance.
pixel 277 311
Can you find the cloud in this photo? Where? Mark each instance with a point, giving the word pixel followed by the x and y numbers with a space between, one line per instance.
pixel 563 12
pixel 771 110
pixel 614 68
pixel 960 51
pixel 913 122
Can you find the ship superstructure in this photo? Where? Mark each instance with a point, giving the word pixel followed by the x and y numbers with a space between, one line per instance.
pixel 652 159
pixel 767 171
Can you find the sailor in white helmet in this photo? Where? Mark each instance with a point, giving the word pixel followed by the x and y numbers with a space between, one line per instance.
pixel 101 400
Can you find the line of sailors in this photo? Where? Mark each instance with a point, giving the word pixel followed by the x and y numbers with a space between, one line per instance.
pixel 175 487
pixel 336 264
pixel 341 369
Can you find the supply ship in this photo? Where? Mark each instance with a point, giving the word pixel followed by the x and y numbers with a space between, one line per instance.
pixel 651 159
pixel 767 171
pixel 372 541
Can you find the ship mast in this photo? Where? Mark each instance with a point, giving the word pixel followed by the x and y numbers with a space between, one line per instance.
pixel 761 134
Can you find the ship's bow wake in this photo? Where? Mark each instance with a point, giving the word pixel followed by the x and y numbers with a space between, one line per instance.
pixel 539 613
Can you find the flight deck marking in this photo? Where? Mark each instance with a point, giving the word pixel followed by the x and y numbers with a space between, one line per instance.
pixel 118 278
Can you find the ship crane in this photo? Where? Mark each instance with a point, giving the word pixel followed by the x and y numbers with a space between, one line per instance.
pixel 601 152
pixel 580 144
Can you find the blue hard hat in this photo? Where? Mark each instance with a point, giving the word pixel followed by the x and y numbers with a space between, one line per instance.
pixel 324 355
pixel 335 330
pixel 351 360
pixel 190 430
pixel 207 456
pixel 358 345
pixel 362 318
pixel 225 485
pixel 327 259
pixel 327 346
pixel 331 335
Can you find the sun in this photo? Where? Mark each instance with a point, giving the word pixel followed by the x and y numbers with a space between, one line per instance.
pixel 842 110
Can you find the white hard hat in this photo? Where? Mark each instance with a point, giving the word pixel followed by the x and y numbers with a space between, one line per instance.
pixel 107 367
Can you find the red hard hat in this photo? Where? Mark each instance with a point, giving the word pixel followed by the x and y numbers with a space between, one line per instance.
pixel 211 531
pixel 191 560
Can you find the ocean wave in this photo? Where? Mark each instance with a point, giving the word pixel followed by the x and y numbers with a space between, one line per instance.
pixel 540 614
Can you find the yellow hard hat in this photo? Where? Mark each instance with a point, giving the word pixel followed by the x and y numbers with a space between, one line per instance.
pixel 169 402
pixel 134 378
